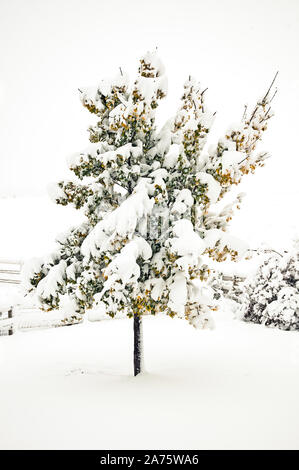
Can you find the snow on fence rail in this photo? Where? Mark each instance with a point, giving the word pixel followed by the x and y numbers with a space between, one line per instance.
pixel 10 271
pixel 11 261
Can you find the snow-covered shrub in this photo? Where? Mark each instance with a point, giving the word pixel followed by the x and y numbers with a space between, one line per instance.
pixel 147 195
pixel 271 297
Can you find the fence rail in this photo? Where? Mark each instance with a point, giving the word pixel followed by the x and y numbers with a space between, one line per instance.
pixel 10 281
pixel 233 278
pixel 9 273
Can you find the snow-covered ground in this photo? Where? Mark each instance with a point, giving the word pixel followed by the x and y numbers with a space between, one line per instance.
pixel 233 387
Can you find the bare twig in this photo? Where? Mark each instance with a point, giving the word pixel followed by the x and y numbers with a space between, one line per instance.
pixel 243 160
pixel 263 100
pixel 253 114
pixel 267 251
pixel 273 96
pixel 249 156
pixel 270 86
pixel 245 111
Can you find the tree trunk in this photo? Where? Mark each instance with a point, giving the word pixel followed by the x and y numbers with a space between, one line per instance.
pixel 138 345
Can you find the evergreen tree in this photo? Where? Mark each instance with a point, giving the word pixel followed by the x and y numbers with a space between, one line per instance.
pixel 147 195
pixel 271 297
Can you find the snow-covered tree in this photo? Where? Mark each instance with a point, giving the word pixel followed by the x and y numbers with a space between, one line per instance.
pixel 150 200
pixel 271 297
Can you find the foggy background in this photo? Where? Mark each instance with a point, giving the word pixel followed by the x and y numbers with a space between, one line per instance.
pixel 50 48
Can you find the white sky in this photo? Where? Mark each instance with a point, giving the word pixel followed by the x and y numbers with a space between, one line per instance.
pixel 49 48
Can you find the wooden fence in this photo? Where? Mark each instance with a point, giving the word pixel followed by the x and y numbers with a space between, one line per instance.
pixel 232 286
pixel 10 273
pixel 23 316
pixel 6 322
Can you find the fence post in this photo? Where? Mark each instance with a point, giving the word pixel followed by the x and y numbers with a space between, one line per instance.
pixel 10 315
